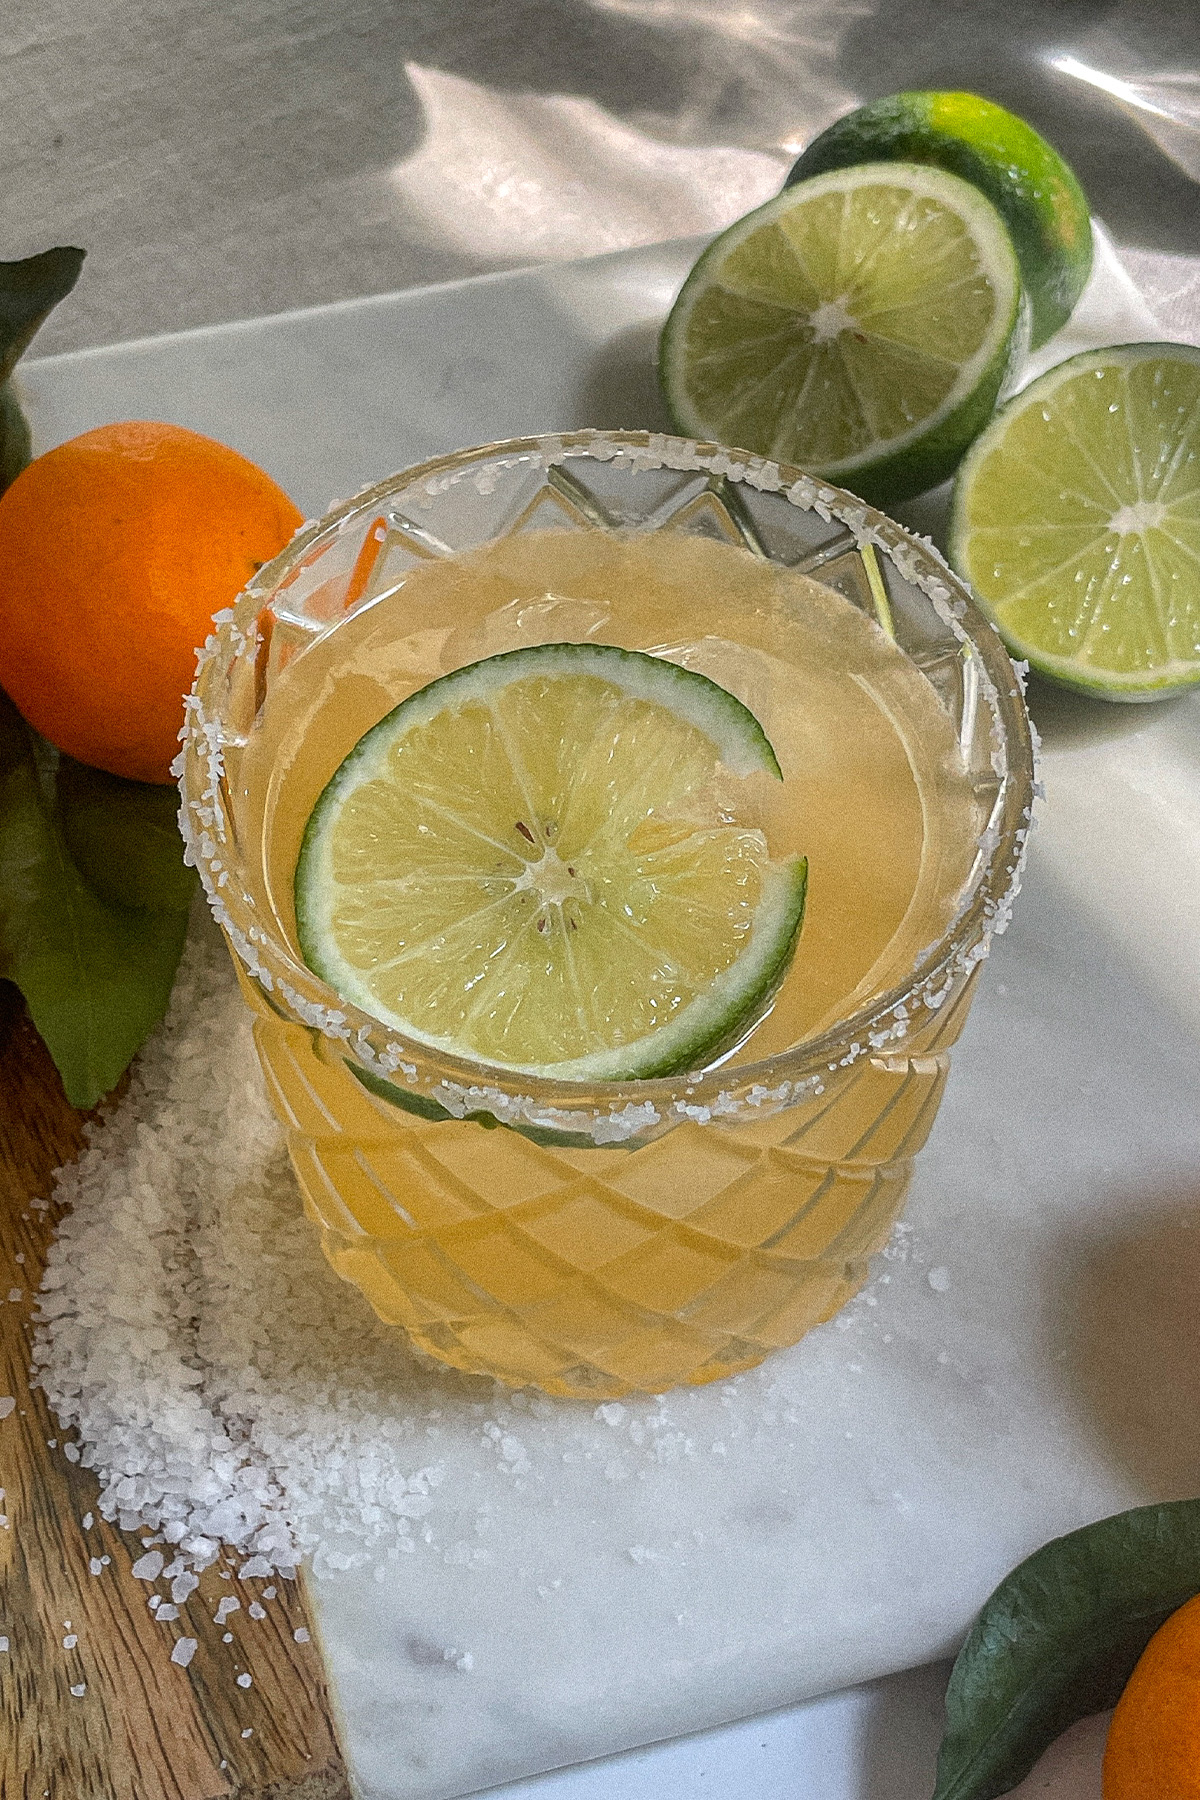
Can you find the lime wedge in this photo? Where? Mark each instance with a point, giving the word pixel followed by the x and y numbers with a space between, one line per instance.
pixel 861 324
pixel 1076 519
pixel 1024 177
pixel 531 863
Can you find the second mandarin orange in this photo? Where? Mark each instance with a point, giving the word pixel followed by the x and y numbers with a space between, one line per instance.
pixel 1153 1749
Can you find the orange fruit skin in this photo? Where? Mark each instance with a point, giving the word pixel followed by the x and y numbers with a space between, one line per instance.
pixel 1153 1748
pixel 116 549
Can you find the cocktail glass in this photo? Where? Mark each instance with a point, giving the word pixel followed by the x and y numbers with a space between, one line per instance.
pixel 593 1239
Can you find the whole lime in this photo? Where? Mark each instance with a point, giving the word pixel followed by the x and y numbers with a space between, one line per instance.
pixel 1026 180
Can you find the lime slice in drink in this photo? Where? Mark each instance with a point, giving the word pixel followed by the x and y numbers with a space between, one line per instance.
pixel 1076 519
pixel 531 862
pixel 861 324
pixel 1032 188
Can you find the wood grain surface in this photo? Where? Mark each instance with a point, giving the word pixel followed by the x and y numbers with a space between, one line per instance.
pixel 91 1705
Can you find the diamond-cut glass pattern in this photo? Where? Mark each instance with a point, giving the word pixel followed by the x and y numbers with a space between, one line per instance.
pixel 681 1260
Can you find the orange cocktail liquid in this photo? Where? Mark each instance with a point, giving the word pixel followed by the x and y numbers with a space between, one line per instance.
pixel 593 1270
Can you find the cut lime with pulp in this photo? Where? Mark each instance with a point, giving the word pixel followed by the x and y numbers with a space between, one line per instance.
pixel 1032 188
pixel 861 325
pixel 530 863
pixel 1076 519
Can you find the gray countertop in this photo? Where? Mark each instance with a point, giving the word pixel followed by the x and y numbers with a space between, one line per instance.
pixel 227 158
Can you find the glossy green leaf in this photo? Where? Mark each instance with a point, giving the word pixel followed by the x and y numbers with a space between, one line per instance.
pixel 124 837
pixel 1059 1639
pixel 96 977
pixel 29 291
pixel 15 448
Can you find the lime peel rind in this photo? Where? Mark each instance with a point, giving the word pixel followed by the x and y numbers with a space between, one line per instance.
pixel 1036 192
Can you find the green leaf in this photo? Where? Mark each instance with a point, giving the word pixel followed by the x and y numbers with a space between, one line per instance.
pixel 124 837
pixel 15 447
pixel 29 292
pixel 1059 1639
pixel 96 977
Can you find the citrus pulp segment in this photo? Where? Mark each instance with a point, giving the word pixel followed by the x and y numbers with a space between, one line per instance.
pixel 1076 519
pixel 532 863
pixel 861 325
pixel 1033 189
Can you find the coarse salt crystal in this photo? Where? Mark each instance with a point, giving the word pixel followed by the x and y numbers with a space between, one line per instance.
pixel 183 1651
pixel 148 1567
pixel 244 1681
pixel 70 1641
pixel 7 1403
pixel 256 1611
pixel 79 1690
pixel 301 1634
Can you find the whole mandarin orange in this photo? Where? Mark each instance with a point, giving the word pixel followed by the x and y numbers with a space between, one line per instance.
pixel 1153 1748
pixel 116 549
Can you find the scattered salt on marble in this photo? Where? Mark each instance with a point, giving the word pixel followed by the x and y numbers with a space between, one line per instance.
pixel 183 1652
pixel 301 1634
pixel 229 1390
pixel 244 1681
pixel 939 1280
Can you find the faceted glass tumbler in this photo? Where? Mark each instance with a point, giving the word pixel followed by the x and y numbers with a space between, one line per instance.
pixel 593 1239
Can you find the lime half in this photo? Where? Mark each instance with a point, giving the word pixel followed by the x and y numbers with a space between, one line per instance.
pixel 1026 180
pixel 531 863
pixel 1076 519
pixel 861 324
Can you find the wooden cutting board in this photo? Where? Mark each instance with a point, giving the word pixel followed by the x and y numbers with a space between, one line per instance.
pixel 91 1705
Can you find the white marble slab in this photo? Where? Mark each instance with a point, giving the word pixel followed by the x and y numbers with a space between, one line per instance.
pixel 1026 1362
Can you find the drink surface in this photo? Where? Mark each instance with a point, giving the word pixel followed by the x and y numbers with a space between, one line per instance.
pixel 874 793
